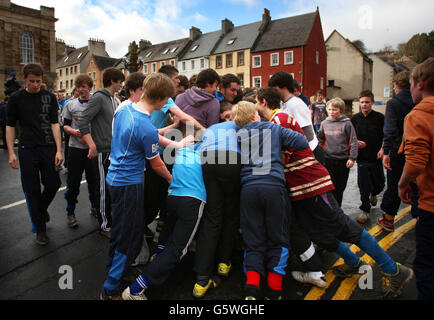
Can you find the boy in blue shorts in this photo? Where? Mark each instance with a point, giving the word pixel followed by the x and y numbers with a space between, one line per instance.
pixel 134 140
pixel 264 201
pixel 185 203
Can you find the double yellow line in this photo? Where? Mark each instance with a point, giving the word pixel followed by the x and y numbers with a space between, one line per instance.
pixel 348 285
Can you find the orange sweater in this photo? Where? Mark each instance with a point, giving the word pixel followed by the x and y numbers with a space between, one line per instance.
pixel 419 150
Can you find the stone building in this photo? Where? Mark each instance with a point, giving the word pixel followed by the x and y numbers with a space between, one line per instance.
pixel 26 35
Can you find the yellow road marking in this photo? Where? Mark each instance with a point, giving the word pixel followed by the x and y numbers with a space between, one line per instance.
pixel 348 286
pixel 316 293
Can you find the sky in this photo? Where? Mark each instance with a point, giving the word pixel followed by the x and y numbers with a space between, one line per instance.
pixel 119 22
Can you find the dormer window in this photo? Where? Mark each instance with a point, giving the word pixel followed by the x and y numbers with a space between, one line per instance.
pixel 173 49
pixel 166 51
pixel 81 53
pixel 231 41
pixel 149 54
pixel 66 59
pixel 194 48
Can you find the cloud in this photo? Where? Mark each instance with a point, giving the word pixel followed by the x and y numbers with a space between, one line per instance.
pixel 248 3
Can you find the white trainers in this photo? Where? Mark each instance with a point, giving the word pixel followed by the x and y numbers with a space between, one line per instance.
pixel 126 295
pixel 316 278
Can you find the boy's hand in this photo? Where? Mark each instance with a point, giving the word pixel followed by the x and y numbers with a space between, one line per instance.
pixel 58 159
pixel 405 193
pixel 380 154
pixel 386 162
pixel 169 179
pixel 187 141
pixel 13 161
pixel 362 144
pixel 92 152
pixel 350 164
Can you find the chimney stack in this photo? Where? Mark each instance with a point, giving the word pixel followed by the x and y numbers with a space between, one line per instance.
pixel 266 19
pixel 195 33
pixel 143 44
pixel 227 26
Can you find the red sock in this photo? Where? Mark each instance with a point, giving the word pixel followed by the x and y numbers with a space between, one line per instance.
pixel 253 278
pixel 275 281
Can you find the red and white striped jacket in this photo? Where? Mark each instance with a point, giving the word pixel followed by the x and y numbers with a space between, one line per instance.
pixel 305 176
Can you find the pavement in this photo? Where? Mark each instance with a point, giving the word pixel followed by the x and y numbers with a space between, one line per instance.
pixel 72 265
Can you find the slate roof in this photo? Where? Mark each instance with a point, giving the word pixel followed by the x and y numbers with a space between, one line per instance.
pixel 75 57
pixel 286 33
pixel 205 43
pixel 157 52
pixel 244 36
pixel 104 62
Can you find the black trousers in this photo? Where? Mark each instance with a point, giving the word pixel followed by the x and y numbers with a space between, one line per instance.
pixel 37 166
pixel 339 173
pixel 101 164
pixel 182 222
pixel 217 231
pixel 79 163
pixel 391 201
pixel 370 178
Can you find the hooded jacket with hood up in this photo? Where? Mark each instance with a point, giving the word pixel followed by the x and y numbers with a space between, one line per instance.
pixel 338 138
pixel 201 105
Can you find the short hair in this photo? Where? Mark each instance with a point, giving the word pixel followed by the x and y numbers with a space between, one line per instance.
pixel 225 106
pixel 157 86
pixel 134 81
pixel 320 92
pixel 111 74
pixel 402 80
pixel 83 78
pixel 33 68
pixel 297 85
pixel 337 103
pixel 228 78
pixel 425 72
pixel 282 80
pixel 242 113
pixel 367 93
pixel 271 95
pixel 192 81
pixel 207 76
pixel 183 81
pixel 168 69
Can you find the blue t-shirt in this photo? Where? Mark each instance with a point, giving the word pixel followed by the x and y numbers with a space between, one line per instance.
pixel 134 139
pixel 221 136
pixel 159 117
pixel 187 174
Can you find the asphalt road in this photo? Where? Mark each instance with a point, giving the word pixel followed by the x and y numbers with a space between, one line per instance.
pixel 31 272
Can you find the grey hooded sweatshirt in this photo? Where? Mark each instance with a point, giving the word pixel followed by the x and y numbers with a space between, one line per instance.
pixel 201 105
pixel 97 119
pixel 338 138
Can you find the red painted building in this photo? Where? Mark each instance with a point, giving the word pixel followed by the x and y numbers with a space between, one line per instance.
pixel 295 45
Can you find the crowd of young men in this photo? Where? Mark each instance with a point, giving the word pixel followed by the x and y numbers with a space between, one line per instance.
pixel 262 173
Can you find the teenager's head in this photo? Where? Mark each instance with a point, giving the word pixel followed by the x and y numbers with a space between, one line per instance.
pixel 422 80
pixel 366 101
pixel 83 86
pixel 268 97
pixel 226 111
pixel 172 73
pixel 230 84
pixel 401 81
pixel 244 112
pixel 335 108
pixel 183 84
pixel 157 89
pixel 208 79
pixel 297 88
pixel 134 86
pixel 33 74
pixel 283 82
pixel 319 96
pixel 113 78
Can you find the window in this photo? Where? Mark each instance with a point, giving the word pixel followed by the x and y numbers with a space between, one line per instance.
pixel 183 65
pixel 75 69
pixel 154 67
pixel 148 54
pixel 145 68
pixel 66 59
pixel 256 61
pixel 231 41
pixel 66 71
pixel 61 85
pixel 241 78
pixel 162 63
pixel 321 83
pixel 60 72
pixel 166 51
pixel 81 53
pixel 218 62
pixel 317 57
pixel 71 83
pixel 257 82
pixel 202 63
pixel 289 57
pixel 192 64
pixel 67 84
pixel 194 48
pixel 274 59
pixel 172 62
pixel 240 58
pixel 173 49
pixel 72 70
pixel 94 76
pixel 229 60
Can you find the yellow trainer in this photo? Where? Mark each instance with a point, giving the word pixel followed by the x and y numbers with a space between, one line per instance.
pixel 223 269
pixel 199 291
